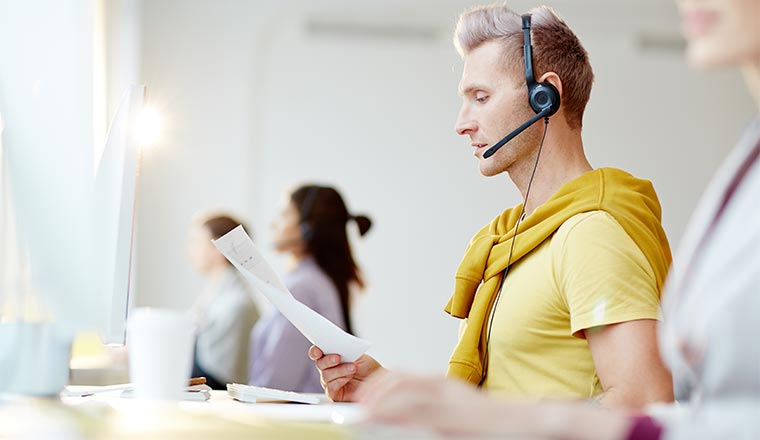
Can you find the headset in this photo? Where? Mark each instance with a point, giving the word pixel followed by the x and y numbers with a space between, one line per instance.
pixel 543 97
pixel 309 200
pixel 544 100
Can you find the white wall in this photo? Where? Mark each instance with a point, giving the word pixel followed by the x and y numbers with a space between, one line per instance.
pixel 198 67
pixel 255 103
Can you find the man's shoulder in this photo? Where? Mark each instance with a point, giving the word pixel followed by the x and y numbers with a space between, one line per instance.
pixel 586 221
pixel 596 241
pixel 590 226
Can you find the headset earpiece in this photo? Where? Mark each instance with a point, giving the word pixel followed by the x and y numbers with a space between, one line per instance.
pixel 307 233
pixel 541 95
pixel 309 200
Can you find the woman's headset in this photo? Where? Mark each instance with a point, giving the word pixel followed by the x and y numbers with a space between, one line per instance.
pixel 309 200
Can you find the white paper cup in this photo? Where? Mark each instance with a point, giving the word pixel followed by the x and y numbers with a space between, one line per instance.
pixel 160 344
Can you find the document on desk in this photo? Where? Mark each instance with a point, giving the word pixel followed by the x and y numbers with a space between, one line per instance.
pixel 239 249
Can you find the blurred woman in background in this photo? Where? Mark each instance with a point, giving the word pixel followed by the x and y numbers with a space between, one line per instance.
pixel 311 231
pixel 225 311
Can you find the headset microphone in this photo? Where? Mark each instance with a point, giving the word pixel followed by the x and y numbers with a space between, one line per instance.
pixel 543 97
pixel 543 113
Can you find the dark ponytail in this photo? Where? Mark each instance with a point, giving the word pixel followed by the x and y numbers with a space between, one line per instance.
pixel 363 222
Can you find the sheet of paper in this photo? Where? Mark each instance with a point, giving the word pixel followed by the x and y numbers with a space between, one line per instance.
pixel 239 249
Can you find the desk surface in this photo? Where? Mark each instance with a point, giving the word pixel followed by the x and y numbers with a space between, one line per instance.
pixel 108 416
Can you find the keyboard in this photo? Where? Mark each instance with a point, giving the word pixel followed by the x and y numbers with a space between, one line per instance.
pixel 253 394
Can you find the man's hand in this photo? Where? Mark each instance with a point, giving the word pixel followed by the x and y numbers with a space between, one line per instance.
pixel 341 380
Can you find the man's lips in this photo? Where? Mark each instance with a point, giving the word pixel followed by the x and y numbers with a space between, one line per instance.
pixel 479 149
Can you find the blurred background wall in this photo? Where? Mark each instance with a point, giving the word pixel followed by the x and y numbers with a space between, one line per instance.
pixel 257 96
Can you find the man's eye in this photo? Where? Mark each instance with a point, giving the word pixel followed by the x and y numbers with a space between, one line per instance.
pixel 481 98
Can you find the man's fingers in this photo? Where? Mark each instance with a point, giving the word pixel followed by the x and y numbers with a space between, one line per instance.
pixel 328 361
pixel 342 370
pixel 315 353
pixel 334 387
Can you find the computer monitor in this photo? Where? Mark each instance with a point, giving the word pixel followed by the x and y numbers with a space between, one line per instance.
pixel 114 209
pixel 66 233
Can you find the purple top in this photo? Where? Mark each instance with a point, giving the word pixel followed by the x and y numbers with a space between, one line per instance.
pixel 278 350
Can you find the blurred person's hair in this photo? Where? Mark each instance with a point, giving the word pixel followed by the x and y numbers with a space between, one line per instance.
pixel 219 224
pixel 556 48
pixel 324 216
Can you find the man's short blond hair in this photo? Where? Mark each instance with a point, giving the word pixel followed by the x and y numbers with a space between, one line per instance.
pixel 555 49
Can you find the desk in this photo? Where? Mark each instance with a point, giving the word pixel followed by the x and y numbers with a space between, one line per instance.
pixel 107 416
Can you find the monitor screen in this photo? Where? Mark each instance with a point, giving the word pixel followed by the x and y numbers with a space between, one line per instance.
pixel 114 207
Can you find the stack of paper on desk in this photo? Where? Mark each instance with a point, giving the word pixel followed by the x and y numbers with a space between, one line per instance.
pixel 238 248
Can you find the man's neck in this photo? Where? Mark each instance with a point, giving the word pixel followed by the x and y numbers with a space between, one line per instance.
pixel 562 160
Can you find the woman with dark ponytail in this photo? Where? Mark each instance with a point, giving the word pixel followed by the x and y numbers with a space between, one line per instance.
pixel 312 230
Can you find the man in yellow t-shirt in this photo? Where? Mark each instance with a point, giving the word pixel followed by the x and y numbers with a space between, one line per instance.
pixel 582 259
pixel 589 274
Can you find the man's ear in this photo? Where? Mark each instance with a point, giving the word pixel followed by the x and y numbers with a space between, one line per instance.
pixel 553 79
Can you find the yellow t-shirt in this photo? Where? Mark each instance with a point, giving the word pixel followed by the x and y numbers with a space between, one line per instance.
pixel 588 274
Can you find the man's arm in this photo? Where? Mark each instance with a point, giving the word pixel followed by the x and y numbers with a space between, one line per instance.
pixel 628 364
pixel 613 299
pixel 453 408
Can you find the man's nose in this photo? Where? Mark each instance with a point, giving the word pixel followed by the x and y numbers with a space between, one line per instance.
pixel 465 124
